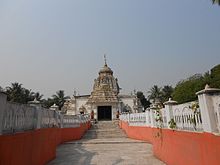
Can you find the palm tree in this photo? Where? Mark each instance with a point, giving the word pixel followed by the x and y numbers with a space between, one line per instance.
pixel 38 96
pixel 216 1
pixel 28 95
pixel 1 89
pixel 144 102
pixel 155 93
pixel 59 98
pixel 167 92
pixel 15 92
pixel 47 103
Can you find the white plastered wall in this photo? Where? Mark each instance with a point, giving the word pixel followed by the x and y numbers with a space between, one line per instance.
pixel 128 101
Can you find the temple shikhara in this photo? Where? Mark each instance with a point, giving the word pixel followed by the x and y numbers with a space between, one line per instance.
pixel 105 101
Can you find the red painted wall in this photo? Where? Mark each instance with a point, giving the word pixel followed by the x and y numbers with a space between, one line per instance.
pixel 178 147
pixel 36 147
pixel 68 134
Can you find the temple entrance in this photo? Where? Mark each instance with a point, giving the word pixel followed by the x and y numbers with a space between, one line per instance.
pixel 104 113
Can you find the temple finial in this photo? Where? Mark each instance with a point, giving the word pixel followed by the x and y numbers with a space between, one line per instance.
pixel 105 59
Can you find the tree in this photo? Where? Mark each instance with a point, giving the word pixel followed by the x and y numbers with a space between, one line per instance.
pixel 167 91
pixel 155 93
pixel 216 1
pixel 207 78
pixel 1 89
pixel 59 98
pixel 38 96
pixel 144 102
pixel 15 93
pixel 28 95
pixel 47 103
pixel 185 90
pixel 215 77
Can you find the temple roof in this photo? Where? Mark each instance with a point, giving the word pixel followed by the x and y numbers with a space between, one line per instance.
pixel 106 69
pixel 106 88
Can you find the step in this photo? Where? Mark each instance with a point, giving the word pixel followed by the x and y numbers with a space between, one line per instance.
pixel 105 130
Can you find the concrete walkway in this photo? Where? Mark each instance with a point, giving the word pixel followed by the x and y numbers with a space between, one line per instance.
pixel 105 144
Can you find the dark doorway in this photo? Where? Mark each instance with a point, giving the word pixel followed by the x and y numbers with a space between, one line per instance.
pixel 104 113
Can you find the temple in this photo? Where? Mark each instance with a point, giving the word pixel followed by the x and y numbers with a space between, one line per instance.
pixel 105 102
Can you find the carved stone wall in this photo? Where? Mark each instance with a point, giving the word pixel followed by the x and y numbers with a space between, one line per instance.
pixel 105 93
pixel 106 88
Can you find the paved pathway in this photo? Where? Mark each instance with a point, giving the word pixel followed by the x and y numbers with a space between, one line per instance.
pixel 105 144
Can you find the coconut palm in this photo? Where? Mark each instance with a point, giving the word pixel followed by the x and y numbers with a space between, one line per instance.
pixel 167 91
pixel 38 96
pixel 1 89
pixel 16 93
pixel 155 93
pixel 47 103
pixel 144 102
pixel 216 1
pixel 28 95
pixel 59 98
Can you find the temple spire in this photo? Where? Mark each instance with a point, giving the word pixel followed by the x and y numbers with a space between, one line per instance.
pixel 105 59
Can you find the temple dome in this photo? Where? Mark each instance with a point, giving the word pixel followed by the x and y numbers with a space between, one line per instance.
pixel 106 69
pixel 105 88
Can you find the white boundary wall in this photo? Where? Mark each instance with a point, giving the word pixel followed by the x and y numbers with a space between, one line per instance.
pixel 203 115
pixel 20 117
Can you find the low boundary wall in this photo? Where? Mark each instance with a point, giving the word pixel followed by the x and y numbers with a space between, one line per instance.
pixel 178 147
pixel 36 147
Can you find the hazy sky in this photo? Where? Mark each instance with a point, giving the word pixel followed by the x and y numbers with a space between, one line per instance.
pixel 49 45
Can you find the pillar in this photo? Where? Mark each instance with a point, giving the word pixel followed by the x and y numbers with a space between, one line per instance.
pixel 39 117
pixel 208 113
pixel 3 99
pixel 169 110
pixel 152 115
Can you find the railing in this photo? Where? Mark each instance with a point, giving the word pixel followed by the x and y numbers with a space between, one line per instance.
pixel 19 118
pixel 216 101
pixel 48 118
pixel 137 119
pixel 124 117
pixel 71 121
pixel 186 118
pixel 183 116
pixel 164 118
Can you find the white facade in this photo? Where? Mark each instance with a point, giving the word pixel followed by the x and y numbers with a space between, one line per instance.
pixel 127 103
pixel 104 102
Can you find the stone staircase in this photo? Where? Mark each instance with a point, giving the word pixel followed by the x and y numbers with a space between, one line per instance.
pixel 105 130
pixel 105 143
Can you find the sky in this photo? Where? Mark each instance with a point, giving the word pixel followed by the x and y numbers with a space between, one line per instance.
pixel 50 45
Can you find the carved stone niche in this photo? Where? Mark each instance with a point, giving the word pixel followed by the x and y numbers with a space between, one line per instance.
pixel 82 109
